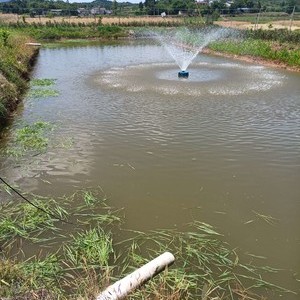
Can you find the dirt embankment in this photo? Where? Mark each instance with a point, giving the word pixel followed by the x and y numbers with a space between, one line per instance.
pixel 17 59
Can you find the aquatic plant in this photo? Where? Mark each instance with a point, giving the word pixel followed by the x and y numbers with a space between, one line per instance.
pixel 91 248
pixel 23 220
pixel 31 137
pixel 42 82
pixel 205 267
pixel 42 93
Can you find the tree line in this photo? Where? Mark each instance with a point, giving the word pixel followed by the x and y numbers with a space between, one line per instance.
pixel 151 7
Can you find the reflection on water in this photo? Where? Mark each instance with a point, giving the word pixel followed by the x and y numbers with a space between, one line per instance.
pixel 218 147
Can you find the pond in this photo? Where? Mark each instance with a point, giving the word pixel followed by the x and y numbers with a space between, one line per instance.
pixel 221 147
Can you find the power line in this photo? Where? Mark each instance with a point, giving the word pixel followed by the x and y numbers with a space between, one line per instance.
pixel 33 204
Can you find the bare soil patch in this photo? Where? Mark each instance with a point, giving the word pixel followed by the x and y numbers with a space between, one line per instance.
pixel 268 26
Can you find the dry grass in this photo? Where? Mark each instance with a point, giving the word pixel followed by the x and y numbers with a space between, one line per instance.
pixel 6 18
pixel 108 20
pixel 248 25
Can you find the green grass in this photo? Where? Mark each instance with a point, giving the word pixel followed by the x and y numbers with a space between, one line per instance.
pixel 280 46
pixel 57 31
pixel 91 248
pixel 78 258
pixel 26 221
pixel 260 48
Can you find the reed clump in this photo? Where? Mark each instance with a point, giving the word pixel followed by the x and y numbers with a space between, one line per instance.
pixel 76 254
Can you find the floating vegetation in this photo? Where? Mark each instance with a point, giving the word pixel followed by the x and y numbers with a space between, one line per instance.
pixel 24 220
pixel 66 143
pixel 268 219
pixel 42 93
pixel 42 82
pixel 77 256
pixel 31 137
pixel 205 265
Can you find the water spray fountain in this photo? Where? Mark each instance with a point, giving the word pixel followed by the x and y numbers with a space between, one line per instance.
pixel 217 77
pixel 183 44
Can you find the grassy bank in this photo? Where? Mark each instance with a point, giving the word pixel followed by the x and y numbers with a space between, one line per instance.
pixel 278 46
pixel 56 31
pixel 15 63
pixel 79 248
pixel 16 58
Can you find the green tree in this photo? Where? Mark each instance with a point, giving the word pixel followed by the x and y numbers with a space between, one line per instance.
pixel 291 4
pixel 150 6
pixel 114 7
pixel 141 6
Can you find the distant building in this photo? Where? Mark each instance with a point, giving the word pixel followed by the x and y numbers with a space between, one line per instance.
pixel 56 12
pixel 201 2
pixel 228 3
pixel 100 11
pixel 83 12
pixel 244 9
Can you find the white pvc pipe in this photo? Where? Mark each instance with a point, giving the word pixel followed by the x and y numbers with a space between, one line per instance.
pixel 33 44
pixel 124 286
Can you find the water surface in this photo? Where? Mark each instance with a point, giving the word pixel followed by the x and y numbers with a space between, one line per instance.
pixel 218 147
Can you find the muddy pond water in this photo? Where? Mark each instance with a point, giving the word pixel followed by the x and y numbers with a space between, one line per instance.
pixel 221 147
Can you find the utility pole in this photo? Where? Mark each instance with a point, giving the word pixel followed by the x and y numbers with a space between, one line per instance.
pixel 69 14
pixel 292 18
pixel 257 20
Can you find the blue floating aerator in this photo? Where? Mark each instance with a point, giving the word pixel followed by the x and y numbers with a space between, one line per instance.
pixel 183 74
